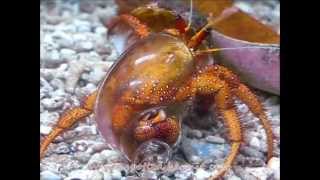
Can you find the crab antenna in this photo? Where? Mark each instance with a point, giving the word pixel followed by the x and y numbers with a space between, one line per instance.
pixel 199 52
pixel 190 16
pixel 200 35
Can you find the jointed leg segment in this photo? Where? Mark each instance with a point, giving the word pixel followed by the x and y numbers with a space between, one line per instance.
pixel 225 85
pixel 68 119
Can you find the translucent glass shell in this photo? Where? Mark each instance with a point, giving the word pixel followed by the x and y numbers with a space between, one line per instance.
pixel 150 71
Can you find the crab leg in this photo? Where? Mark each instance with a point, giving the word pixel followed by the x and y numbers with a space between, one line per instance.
pixel 68 119
pixel 256 108
pixel 207 83
pixel 247 97
pixel 229 114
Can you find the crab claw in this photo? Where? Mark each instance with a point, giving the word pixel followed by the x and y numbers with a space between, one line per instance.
pixel 157 125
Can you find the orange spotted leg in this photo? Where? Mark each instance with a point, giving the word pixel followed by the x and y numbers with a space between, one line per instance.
pixel 68 119
pixel 246 96
pixel 208 83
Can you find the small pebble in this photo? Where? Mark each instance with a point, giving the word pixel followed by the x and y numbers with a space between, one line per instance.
pixel 52 103
pixel 183 172
pixel 251 152
pixel 262 173
pixel 63 148
pixel 255 143
pixel 116 174
pixel 101 30
pixel 195 133
pixel 215 139
pixel 48 175
pixel 57 84
pixel 82 157
pixel 274 164
pixel 234 178
pixel 45 130
pixel 68 54
pixel 84 46
pixel 202 174
pixel 239 171
pixel 150 175
pixel 85 175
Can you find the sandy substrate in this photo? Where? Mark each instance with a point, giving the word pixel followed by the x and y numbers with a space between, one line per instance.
pixel 75 55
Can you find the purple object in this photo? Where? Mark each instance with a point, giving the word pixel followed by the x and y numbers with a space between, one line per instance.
pixel 257 64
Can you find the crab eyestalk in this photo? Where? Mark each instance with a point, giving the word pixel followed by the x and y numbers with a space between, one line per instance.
pixel 157 125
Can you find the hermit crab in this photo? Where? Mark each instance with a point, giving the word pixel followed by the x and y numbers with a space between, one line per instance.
pixel 160 71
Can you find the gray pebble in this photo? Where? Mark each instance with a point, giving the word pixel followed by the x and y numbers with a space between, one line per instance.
pixel 197 151
pixel 67 54
pixel 255 143
pixel 64 40
pixel 195 133
pixel 57 83
pixel 87 6
pixel 184 172
pixel 54 20
pixel 52 58
pixel 63 148
pixel 82 157
pixel 251 152
pixel 103 49
pixel 239 171
pixel 215 139
pixel 262 173
pixel 250 161
pixel 52 103
pixel 150 175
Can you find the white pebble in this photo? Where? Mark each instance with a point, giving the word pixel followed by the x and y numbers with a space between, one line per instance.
pixel 67 54
pixel 116 174
pixel 255 143
pixel 85 175
pixel 260 172
pixel 274 164
pixel 215 139
pixel 202 174
pixel 48 118
pixel 102 31
pixel 84 46
pixel 48 175
pixel 45 130
pixel 57 83
pixel 79 37
pixel 52 103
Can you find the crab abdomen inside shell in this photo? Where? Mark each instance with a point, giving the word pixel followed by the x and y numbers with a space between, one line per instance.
pixel 148 73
